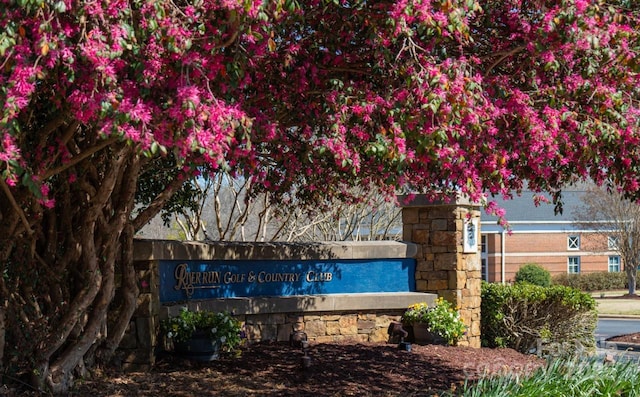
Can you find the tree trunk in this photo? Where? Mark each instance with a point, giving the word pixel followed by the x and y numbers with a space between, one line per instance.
pixel 127 297
pixel 631 279
pixel 2 335
pixel 59 277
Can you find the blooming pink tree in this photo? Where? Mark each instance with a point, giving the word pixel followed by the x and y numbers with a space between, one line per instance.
pixel 106 104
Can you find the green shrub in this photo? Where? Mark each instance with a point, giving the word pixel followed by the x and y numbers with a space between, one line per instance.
pixel 220 326
pixel 534 274
pixel 600 281
pixel 442 319
pixel 553 320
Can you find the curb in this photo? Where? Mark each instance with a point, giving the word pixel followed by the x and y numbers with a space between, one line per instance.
pixel 619 316
pixel 612 345
pixel 631 347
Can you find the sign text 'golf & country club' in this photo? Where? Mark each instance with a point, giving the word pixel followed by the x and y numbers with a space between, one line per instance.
pixel 191 280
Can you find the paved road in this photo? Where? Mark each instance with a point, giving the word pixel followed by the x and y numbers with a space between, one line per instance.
pixel 608 327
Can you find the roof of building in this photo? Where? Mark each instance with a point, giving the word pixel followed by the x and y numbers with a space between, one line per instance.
pixel 522 208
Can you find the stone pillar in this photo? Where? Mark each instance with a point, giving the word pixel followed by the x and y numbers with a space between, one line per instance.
pixel 443 264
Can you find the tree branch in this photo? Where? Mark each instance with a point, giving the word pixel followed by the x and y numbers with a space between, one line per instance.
pixel 76 159
pixel 156 205
pixel 15 206
pixel 502 56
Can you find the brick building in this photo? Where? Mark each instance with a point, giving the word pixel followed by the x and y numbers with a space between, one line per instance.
pixel 539 236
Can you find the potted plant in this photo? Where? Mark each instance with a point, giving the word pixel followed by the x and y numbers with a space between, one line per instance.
pixel 201 335
pixel 439 324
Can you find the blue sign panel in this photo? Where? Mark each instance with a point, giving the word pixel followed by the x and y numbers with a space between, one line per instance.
pixel 180 280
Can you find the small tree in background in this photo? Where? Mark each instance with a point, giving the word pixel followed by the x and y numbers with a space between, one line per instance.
pixel 535 274
pixel 220 207
pixel 617 220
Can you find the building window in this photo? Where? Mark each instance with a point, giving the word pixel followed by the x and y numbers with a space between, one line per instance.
pixel 484 269
pixel 573 242
pixel 574 264
pixel 483 257
pixel 612 242
pixel 614 264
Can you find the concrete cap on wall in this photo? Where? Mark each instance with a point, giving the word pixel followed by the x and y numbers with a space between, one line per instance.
pixel 424 200
pixel 306 303
pixel 191 250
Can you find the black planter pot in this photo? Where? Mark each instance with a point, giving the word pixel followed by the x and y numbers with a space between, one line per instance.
pixel 199 347
pixel 419 335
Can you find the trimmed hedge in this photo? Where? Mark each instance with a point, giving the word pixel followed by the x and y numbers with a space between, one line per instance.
pixel 601 281
pixel 554 320
pixel 533 274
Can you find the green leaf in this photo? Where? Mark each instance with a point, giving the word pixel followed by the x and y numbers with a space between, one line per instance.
pixel 60 7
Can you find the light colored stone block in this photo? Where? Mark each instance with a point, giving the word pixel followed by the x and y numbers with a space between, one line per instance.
pixel 366 326
pixel 379 335
pixel 457 279
pixel 474 284
pixel 472 262
pixel 315 328
pixel 323 339
pixel 332 328
pixel 349 320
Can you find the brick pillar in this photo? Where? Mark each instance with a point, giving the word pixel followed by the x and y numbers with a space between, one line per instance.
pixel 444 265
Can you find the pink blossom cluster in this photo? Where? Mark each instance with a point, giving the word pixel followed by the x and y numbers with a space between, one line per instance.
pixel 312 98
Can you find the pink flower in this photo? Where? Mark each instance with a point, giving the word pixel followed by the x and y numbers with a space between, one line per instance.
pixel 44 190
pixel 11 180
pixel 581 6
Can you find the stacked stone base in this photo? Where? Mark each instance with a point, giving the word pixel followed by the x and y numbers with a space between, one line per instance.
pixel 135 354
pixel 356 318
pixel 322 327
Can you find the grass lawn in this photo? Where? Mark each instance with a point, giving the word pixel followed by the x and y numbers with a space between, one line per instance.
pixel 612 303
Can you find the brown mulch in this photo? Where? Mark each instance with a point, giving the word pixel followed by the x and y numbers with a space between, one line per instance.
pixel 275 369
pixel 624 296
pixel 628 338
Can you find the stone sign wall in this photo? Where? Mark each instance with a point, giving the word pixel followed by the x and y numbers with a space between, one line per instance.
pixel 441 237
pixel 360 313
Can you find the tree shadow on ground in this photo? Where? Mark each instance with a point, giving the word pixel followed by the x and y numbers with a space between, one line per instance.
pixel 273 369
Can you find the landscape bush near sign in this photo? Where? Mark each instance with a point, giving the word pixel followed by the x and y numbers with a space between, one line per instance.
pixel 535 274
pixel 553 320
pixel 600 281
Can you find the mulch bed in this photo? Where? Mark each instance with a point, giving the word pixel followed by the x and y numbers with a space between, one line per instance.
pixel 628 338
pixel 275 369
pixel 624 296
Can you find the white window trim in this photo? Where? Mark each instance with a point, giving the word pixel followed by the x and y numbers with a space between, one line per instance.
pixel 612 242
pixel 569 265
pixel 576 245
pixel 609 264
